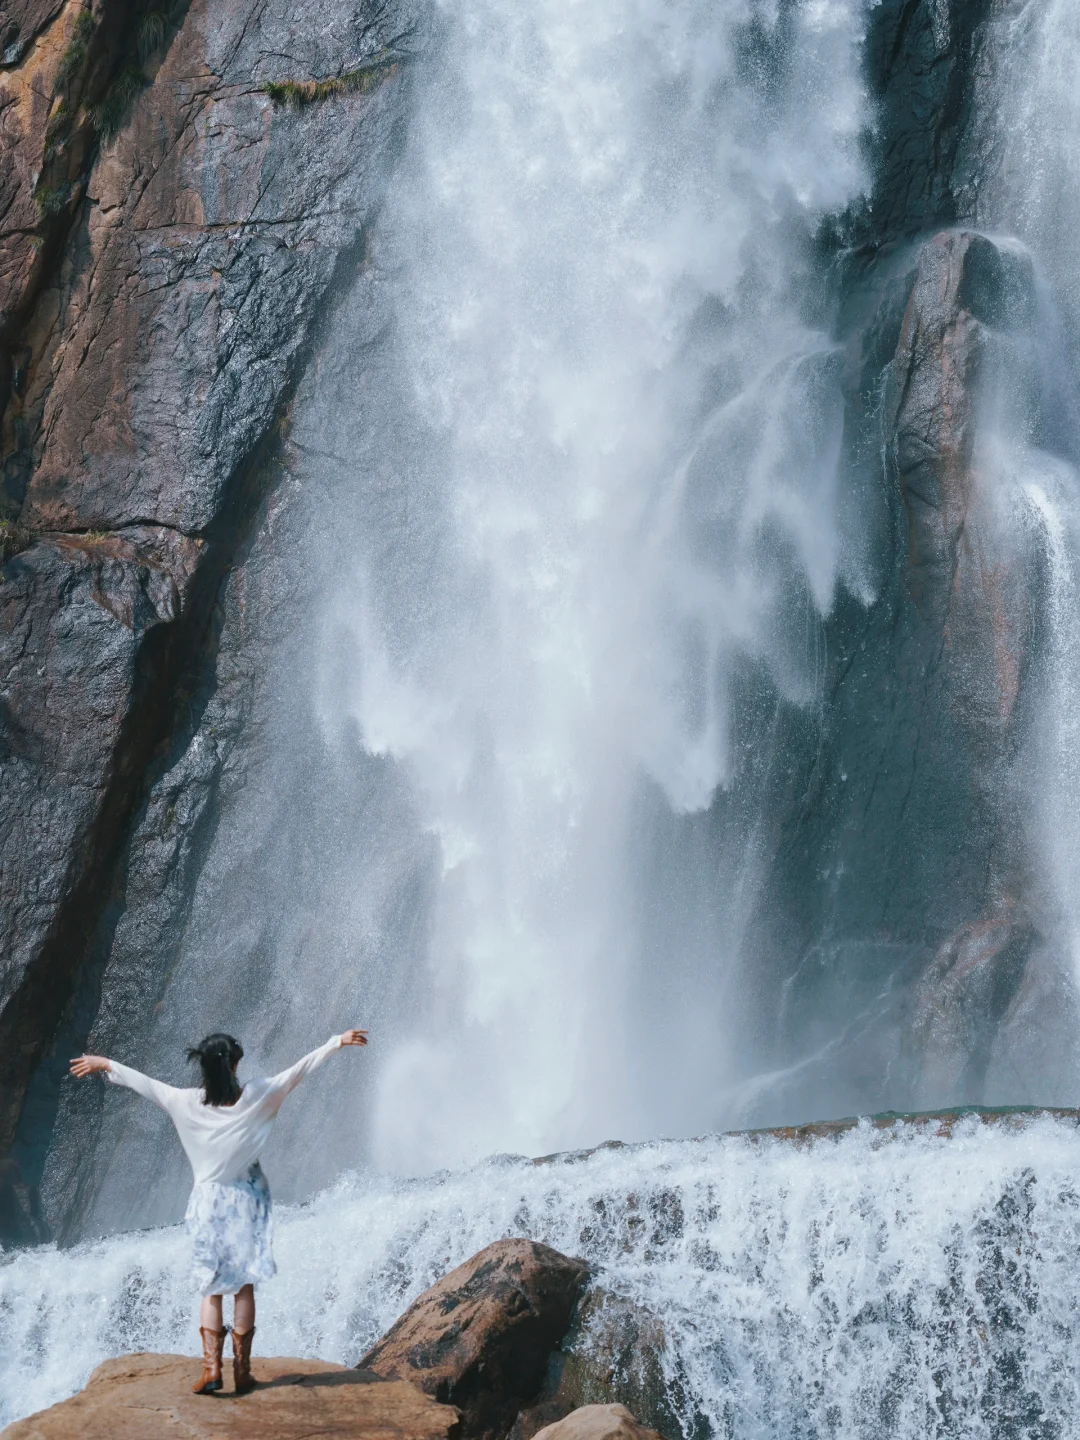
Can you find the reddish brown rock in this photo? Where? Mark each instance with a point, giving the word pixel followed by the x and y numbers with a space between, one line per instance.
pixel 599 1422
pixel 480 1339
pixel 969 571
pixel 971 982
pixel 148 381
pixel 149 1397
pixel 58 59
pixel 215 224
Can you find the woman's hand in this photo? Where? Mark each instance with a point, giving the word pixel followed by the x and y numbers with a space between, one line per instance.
pixel 354 1037
pixel 87 1065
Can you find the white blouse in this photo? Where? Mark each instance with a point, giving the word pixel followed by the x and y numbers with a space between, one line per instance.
pixel 223 1141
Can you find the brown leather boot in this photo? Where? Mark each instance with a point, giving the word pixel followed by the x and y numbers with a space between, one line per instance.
pixel 213 1345
pixel 241 1365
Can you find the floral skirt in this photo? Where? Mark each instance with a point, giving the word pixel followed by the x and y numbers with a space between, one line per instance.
pixel 232 1231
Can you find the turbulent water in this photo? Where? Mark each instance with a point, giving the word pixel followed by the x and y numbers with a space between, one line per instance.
pixel 873 1286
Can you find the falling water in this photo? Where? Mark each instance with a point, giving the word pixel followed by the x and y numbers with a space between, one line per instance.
pixel 569 463
pixel 1033 114
pixel 610 337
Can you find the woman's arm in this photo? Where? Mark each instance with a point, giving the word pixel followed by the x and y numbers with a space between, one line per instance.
pixel 278 1086
pixel 85 1065
pixel 150 1089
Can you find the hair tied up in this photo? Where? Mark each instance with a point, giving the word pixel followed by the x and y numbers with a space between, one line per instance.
pixel 218 1056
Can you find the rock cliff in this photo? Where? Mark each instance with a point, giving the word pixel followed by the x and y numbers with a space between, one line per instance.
pixel 154 329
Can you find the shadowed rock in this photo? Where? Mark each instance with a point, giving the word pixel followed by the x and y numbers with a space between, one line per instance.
pixel 612 1355
pixel 480 1339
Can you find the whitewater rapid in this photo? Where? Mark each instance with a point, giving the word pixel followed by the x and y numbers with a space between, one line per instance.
pixel 880 1284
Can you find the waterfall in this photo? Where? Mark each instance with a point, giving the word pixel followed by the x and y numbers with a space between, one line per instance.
pixel 567 466
pixel 881 1284
pixel 611 343
pixel 1031 115
pixel 568 496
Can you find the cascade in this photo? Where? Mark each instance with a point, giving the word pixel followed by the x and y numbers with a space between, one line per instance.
pixel 564 780
pixel 587 476
pixel 890 1284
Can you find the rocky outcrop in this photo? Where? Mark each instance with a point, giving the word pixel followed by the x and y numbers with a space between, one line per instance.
pixel 149 1397
pixel 599 1422
pixel 480 1339
pixel 90 629
pixel 62 84
pixel 901 891
pixel 155 366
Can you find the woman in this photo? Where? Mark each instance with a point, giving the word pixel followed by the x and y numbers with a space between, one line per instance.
pixel 223 1127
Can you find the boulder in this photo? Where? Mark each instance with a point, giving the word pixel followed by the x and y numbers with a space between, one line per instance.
pixel 599 1422
pixel 480 1339
pixel 149 1397
pixel 612 1355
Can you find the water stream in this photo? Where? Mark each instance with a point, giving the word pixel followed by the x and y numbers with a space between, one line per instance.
pixel 894 1285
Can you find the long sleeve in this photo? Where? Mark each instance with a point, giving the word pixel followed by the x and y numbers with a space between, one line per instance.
pixel 155 1090
pixel 278 1086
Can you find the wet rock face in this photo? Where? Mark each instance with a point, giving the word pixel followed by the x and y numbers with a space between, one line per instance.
pixel 612 1355
pixel 480 1339
pixel 88 625
pixel 150 361
pixel 149 1397
pixel 902 881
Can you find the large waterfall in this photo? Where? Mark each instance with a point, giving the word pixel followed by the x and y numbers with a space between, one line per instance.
pixel 570 472
pixel 593 764
pixel 627 429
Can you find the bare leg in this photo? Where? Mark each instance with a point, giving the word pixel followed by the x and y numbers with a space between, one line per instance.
pixel 242 1335
pixel 244 1309
pixel 210 1313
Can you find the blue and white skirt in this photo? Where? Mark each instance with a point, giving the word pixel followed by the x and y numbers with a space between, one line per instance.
pixel 232 1230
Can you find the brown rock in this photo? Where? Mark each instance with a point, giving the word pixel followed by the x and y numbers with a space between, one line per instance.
pixel 599 1422
pixel 149 1397
pixel 144 373
pixel 972 981
pixel 480 1339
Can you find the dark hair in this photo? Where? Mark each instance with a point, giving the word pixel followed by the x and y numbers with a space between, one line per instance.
pixel 218 1057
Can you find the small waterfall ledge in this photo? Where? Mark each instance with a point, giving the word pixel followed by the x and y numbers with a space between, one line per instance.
pixel 902 1277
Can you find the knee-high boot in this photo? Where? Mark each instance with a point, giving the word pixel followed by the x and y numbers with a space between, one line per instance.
pixel 241 1344
pixel 213 1345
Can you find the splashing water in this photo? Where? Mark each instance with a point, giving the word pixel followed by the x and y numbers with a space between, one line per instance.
pixel 882 1284
pixel 610 337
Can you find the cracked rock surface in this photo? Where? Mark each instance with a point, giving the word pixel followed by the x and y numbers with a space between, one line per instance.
pixel 147 378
